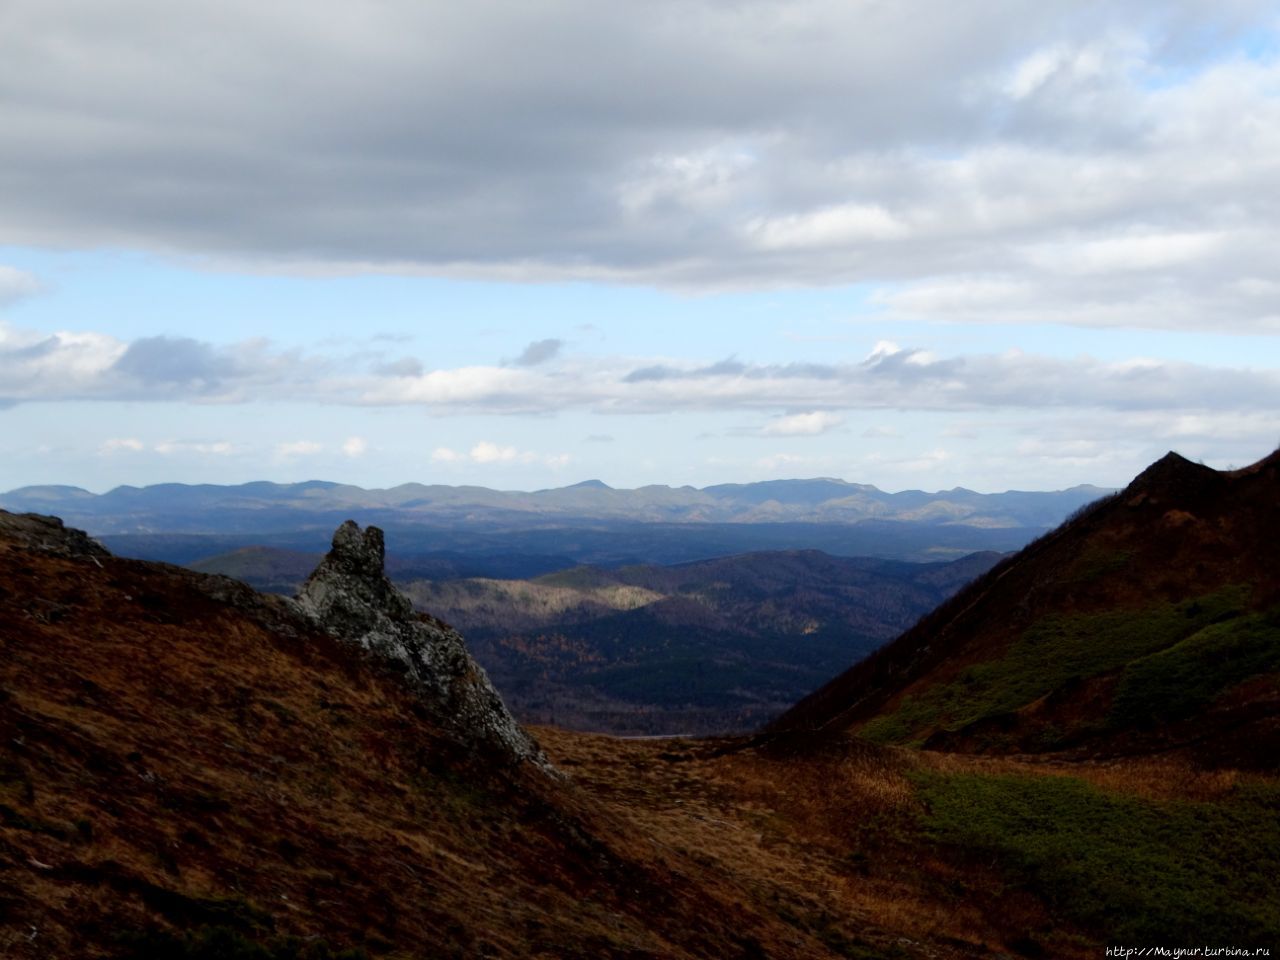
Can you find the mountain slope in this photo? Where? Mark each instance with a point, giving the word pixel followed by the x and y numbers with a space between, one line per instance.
pixel 185 759
pixel 1150 620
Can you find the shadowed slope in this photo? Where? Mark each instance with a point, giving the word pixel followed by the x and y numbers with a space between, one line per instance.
pixel 1149 620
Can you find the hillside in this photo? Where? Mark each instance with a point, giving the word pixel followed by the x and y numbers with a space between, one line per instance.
pixel 191 770
pixel 1150 621
pixel 707 647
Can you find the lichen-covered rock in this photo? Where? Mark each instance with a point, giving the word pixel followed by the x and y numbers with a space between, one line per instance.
pixel 351 598
pixel 48 535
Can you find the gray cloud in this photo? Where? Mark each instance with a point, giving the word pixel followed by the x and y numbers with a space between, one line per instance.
pixel 174 360
pixel 1072 154
pixel 404 367
pixel 540 351
pixel 724 368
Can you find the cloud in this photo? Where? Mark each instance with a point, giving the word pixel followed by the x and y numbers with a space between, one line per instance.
pixel 298 448
pixel 355 447
pixel 83 365
pixel 802 424
pixel 1106 162
pixel 173 360
pixel 118 444
pixel 219 448
pixel 16 285
pixel 486 452
pixel 540 351
pixel 404 367
pixel 71 366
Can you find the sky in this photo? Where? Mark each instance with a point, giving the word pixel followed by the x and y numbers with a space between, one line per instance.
pixel 999 245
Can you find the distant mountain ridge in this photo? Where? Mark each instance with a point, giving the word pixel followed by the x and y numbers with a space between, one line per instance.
pixel 262 505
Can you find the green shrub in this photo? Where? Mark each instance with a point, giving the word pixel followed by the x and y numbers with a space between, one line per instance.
pixel 1050 653
pixel 1129 870
pixel 1174 683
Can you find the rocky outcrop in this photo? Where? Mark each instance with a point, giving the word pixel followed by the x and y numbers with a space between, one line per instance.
pixel 350 597
pixel 35 531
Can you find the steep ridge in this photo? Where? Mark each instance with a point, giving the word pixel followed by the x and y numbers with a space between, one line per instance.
pixel 1149 621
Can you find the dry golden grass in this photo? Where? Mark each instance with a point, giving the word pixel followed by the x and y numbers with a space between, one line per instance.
pixel 825 839
pixel 533 601
pixel 1171 777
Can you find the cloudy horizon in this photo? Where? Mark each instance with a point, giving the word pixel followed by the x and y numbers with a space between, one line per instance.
pixel 917 245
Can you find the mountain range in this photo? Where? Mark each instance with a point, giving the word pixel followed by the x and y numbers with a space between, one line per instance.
pixel 480 532
pixel 208 508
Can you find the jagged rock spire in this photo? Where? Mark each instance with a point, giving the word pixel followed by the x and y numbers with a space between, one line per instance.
pixel 351 597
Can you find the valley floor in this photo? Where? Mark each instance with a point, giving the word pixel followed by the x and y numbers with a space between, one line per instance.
pixel 889 852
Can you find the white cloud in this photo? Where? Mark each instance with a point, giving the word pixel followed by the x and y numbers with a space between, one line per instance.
pixel 802 424
pixel 298 448
pixel 16 284
pixel 355 446
pixel 117 444
pixel 220 448
pixel 487 452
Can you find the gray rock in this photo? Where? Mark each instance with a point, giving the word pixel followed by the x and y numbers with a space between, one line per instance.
pixel 350 597
pixel 48 535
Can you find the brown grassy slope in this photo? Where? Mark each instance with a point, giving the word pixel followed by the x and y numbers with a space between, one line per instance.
pixel 178 751
pixel 1179 531
pixel 835 837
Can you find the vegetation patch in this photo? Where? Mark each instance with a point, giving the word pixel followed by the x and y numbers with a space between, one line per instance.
pixel 1097 562
pixel 1130 870
pixel 1050 653
pixel 1174 683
